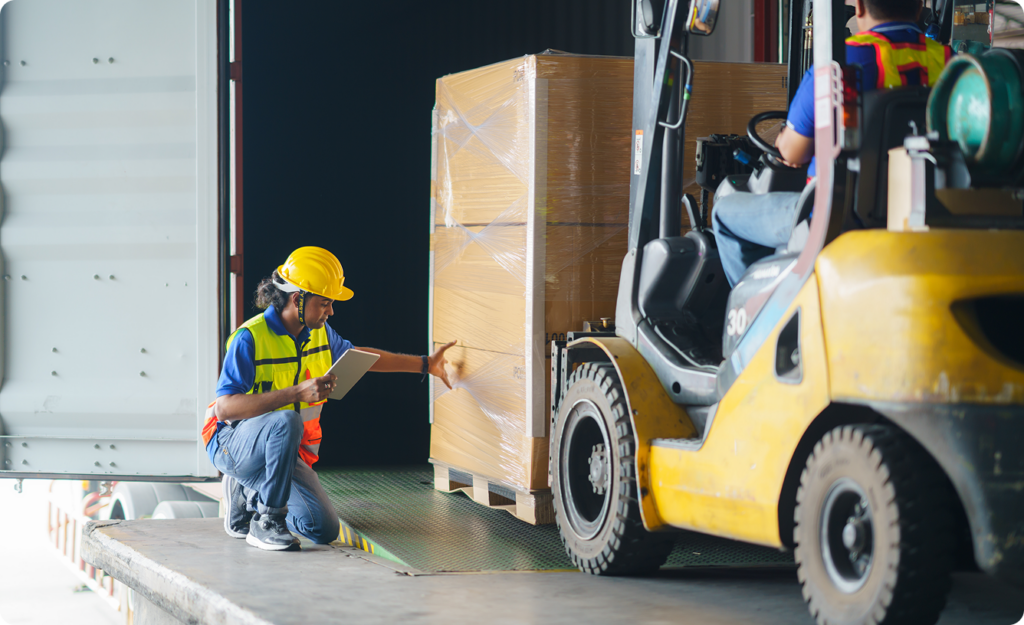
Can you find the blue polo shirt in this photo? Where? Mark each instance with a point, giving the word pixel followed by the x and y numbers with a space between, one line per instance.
pixel 239 370
pixel 801 109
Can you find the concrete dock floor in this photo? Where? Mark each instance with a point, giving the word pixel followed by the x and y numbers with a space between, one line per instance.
pixel 191 569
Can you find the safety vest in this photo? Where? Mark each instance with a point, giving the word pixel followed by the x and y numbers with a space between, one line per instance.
pixel 896 60
pixel 279 365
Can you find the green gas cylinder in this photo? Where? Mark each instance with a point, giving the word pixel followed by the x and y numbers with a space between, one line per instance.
pixel 978 103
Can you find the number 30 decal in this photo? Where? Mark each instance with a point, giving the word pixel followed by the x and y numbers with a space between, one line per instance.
pixel 737 322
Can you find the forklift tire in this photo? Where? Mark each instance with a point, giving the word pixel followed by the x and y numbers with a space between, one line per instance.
pixel 874 529
pixel 593 479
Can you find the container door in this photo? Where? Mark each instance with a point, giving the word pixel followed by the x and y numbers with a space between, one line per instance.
pixel 109 237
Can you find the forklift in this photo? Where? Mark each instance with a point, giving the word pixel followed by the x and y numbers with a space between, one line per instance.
pixel 858 397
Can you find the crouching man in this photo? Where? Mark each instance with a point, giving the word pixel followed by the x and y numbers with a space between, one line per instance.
pixel 263 432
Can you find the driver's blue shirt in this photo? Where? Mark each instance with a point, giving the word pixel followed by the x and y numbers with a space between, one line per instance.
pixel 801 109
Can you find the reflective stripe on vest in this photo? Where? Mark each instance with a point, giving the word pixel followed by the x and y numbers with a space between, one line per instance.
pixel 896 60
pixel 278 366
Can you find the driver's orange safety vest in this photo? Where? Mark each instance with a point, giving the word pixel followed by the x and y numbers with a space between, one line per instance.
pixel 897 60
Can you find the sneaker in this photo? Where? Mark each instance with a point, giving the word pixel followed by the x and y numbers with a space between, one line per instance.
pixel 270 532
pixel 236 515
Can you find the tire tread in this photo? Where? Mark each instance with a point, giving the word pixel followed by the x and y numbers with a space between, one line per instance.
pixel 631 549
pixel 914 592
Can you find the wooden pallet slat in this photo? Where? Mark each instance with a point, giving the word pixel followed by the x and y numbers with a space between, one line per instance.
pixel 532 506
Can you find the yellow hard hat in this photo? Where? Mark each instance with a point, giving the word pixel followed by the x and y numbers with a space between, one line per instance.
pixel 317 271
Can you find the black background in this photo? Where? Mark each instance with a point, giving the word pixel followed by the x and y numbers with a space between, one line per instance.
pixel 337 109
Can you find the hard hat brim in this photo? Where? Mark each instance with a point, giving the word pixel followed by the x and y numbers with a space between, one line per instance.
pixel 343 295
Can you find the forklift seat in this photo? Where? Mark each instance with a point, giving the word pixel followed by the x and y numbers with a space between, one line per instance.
pixel 801 225
pixel 886 121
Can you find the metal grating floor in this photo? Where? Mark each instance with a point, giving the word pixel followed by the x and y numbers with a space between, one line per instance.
pixel 396 513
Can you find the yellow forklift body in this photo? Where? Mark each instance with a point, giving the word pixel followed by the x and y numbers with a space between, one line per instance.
pixel 731 486
pixel 653 413
pixel 898 320
pixel 886 318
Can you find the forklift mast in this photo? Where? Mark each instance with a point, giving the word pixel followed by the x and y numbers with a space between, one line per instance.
pixel 661 75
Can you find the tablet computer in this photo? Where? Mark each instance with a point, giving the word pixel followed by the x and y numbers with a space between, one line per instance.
pixel 349 368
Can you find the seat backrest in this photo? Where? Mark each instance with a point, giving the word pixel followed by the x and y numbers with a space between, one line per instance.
pixel 805 202
pixel 887 114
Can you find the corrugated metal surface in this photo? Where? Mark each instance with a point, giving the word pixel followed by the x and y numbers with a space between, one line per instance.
pixel 396 513
pixel 109 235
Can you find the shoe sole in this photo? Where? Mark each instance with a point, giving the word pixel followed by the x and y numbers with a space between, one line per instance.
pixel 227 512
pixel 232 533
pixel 259 544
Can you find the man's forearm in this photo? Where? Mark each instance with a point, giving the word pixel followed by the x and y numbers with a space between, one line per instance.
pixel 389 362
pixel 796 149
pixel 233 407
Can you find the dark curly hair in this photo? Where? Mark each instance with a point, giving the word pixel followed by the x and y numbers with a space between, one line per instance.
pixel 267 294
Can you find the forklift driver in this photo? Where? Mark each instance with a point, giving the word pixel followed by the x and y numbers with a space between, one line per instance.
pixel 263 431
pixel 892 51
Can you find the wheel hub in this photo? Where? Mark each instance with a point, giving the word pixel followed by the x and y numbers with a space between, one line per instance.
pixel 585 469
pixel 598 462
pixel 847 535
pixel 853 536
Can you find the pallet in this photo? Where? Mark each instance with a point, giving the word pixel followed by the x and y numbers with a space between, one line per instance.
pixel 536 507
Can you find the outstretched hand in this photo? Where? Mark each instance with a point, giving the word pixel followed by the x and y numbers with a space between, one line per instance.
pixel 436 363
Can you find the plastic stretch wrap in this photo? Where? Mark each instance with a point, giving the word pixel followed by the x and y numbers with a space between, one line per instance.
pixel 530 210
pixel 530 202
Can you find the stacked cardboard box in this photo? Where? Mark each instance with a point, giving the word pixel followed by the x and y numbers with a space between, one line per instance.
pixel 530 202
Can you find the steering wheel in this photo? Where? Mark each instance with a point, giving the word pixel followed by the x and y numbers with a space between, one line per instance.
pixel 756 139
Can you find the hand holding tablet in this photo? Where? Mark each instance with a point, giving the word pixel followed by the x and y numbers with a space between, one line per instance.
pixel 349 368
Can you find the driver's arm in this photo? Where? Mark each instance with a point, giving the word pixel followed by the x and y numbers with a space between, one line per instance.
pixel 796 149
pixel 796 141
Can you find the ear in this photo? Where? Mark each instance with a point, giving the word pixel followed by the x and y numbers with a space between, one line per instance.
pixel 862 8
pixel 920 7
pixel 294 299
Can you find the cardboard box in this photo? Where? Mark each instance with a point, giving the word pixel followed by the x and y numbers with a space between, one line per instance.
pixel 725 97
pixel 478 428
pixel 530 206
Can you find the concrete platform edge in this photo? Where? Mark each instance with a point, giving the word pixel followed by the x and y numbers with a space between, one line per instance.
pixel 180 596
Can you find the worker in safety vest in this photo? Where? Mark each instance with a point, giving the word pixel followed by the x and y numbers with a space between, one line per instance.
pixel 263 431
pixel 891 51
